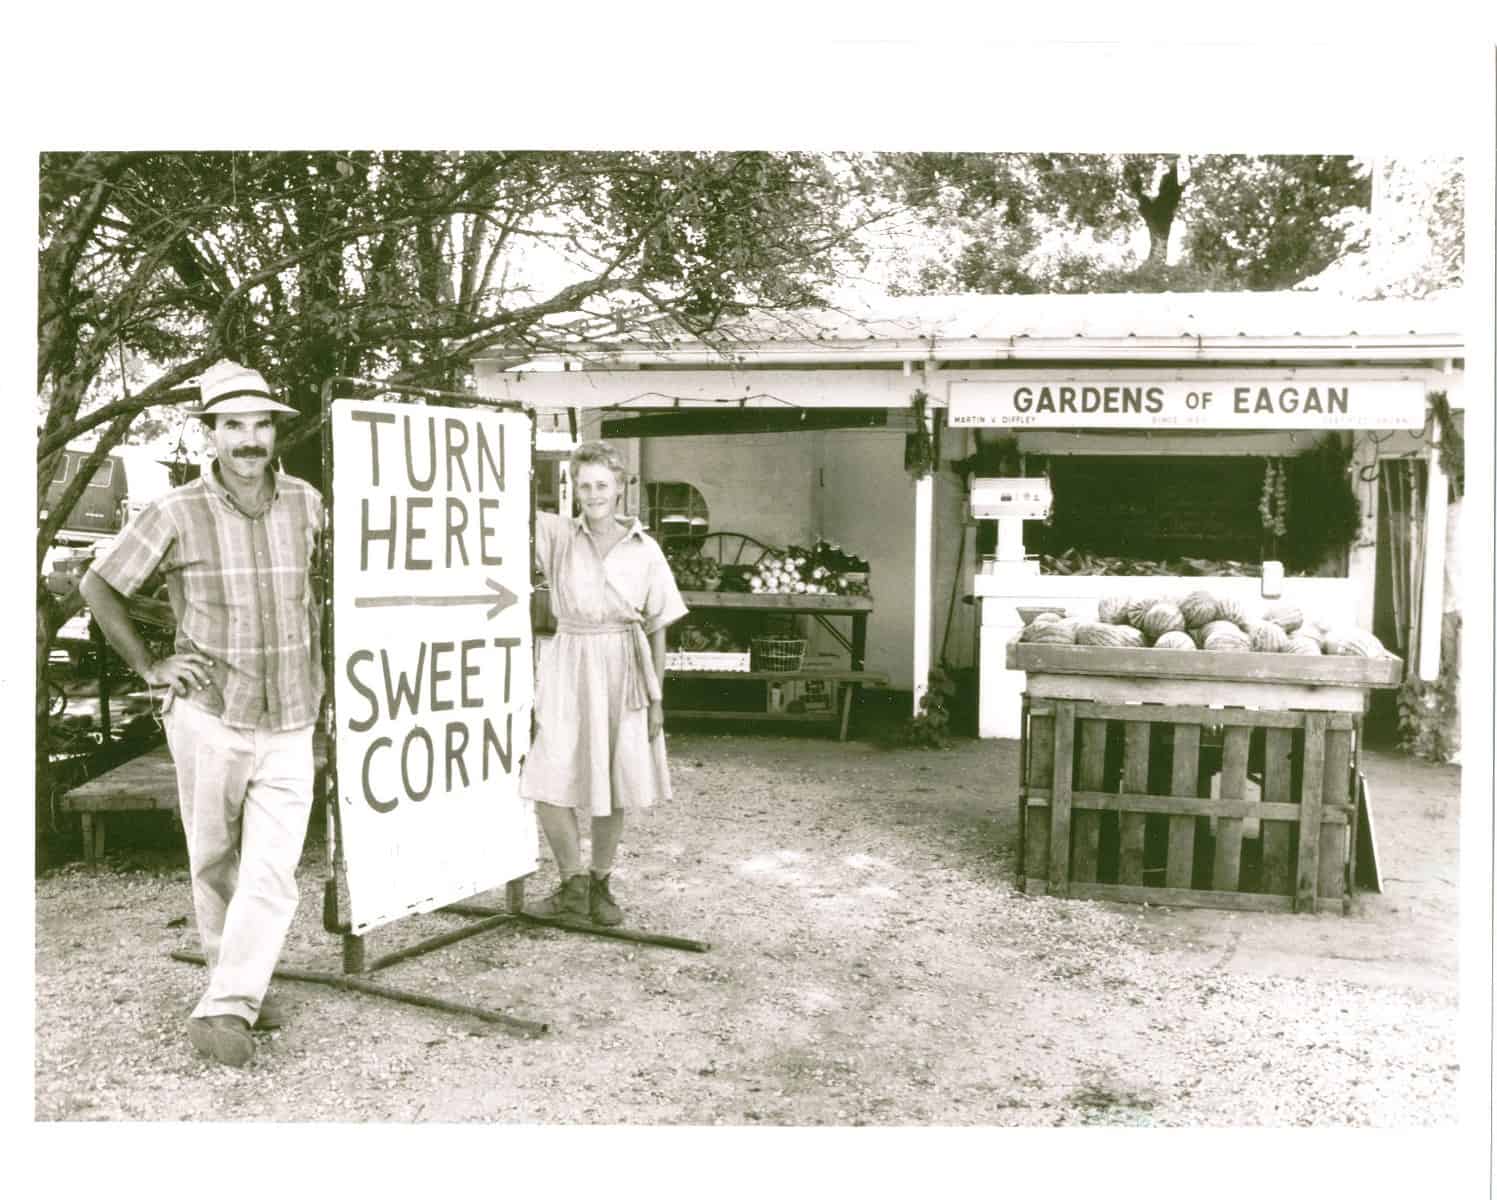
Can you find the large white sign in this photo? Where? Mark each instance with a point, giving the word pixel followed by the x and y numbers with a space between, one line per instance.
pixel 432 682
pixel 1180 404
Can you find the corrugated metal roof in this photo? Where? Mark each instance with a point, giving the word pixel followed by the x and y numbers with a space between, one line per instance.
pixel 1046 326
pixel 1116 315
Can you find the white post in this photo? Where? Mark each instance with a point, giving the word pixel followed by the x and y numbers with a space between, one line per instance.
pixel 923 577
pixel 1432 587
pixel 924 508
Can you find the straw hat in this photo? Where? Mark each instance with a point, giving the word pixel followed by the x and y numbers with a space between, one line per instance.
pixel 228 387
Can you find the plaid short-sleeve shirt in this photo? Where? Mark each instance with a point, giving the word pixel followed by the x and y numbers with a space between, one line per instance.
pixel 242 590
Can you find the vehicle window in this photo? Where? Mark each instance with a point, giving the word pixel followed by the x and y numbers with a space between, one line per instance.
pixel 64 463
pixel 104 476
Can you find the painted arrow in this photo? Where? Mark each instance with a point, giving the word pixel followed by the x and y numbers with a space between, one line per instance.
pixel 500 600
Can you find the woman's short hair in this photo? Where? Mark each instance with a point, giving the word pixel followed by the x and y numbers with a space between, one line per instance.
pixel 601 454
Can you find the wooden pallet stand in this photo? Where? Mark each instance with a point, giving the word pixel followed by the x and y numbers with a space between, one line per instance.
pixel 1192 778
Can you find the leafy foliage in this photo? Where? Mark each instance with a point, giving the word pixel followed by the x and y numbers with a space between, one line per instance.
pixel 1323 517
pixel 1020 223
pixel 931 726
pixel 1410 241
pixel 394 265
pixel 1429 719
pixel 1267 223
pixel 1452 441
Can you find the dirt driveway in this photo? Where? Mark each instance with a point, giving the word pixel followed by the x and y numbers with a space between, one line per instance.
pixel 871 963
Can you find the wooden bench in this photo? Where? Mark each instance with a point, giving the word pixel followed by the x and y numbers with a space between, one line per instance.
pixel 147 783
pixel 848 681
pixel 144 784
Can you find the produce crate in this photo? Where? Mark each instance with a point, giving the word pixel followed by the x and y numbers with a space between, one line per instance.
pixel 706 660
pixel 1218 780
pixel 778 653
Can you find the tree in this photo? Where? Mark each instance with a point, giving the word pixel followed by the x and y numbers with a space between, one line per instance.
pixel 1411 241
pixel 1067 222
pixel 396 265
pixel 1268 223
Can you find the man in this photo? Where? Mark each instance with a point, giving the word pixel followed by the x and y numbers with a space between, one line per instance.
pixel 243 689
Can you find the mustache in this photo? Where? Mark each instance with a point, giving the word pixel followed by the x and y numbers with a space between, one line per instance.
pixel 250 452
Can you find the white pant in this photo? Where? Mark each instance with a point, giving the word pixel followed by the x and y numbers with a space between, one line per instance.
pixel 245 796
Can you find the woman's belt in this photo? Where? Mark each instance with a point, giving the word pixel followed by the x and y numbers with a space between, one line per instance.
pixel 641 687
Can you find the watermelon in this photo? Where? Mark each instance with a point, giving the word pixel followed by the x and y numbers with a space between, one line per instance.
pixel 1287 617
pixel 1045 618
pixel 1199 608
pixel 1227 637
pixel 1312 629
pixel 1098 633
pixel 1300 644
pixel 1212 627
pixel 1348 640
pixel 1267 638
pixel 1113 610
pixel 1229 609
pixel 1175 639
pixel 1134 614
pixel 1162 618
pixel 1051 633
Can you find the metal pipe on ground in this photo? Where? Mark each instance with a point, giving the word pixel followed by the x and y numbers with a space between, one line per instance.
pixel 517 1025
pixel 608 931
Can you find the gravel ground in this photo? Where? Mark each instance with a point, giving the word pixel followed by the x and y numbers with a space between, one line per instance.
pixel 871 964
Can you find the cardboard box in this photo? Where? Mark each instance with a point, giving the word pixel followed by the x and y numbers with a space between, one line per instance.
pixel 814 695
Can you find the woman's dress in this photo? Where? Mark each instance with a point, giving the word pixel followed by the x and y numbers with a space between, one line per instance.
pixel 596 678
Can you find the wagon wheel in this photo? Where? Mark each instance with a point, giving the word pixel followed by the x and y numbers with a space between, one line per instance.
pixel 734 549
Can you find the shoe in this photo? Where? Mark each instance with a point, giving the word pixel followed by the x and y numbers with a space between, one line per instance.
pixel 272 1015
pixel 569 900
pixel 224 1038
pixel 600 902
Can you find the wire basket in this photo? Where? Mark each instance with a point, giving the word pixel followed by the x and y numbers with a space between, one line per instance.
pixel 777 653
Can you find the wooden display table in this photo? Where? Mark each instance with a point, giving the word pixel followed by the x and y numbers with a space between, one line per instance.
pixel 146 783
pixel 821 608
pixel 1192 778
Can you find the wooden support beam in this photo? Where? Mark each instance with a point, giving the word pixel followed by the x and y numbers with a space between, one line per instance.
pixel 701 422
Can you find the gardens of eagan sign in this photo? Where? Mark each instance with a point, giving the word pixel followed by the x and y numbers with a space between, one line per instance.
pixel 1182 404
pixel 432 683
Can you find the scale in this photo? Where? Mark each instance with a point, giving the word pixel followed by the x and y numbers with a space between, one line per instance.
pixel 1005 581
pixel 1011 501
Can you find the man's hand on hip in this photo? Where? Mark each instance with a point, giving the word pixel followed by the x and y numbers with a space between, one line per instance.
pixel 183 673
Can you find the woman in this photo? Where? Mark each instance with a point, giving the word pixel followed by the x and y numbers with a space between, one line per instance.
pixel 599 749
